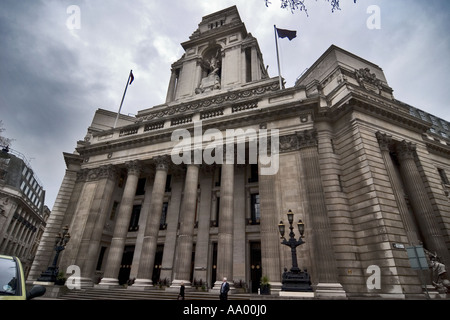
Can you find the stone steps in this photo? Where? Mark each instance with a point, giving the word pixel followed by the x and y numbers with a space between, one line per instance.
pixel 126 294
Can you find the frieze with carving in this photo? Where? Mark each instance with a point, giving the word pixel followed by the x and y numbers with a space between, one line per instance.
pixel 299 140
pixel 205 103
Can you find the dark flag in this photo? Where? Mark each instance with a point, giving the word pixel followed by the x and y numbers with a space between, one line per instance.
pixel 131 76
pixel 283 33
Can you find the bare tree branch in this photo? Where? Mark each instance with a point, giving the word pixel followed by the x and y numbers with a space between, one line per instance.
pixel 300 5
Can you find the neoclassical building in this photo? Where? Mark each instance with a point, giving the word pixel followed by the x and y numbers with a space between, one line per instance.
pixel 164 196
pixel 22 211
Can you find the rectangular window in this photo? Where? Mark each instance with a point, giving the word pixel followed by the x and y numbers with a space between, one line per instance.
pixel 255 212
pixel 443 176
pixel 134 220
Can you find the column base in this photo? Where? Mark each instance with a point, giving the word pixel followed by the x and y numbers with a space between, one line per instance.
pixel 107 283
pixel 176 284
pixel 329 291
pixel 292 294
pixel 141 284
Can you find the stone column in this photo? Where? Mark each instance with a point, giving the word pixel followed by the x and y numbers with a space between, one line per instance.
pixel 203 229
pixel 147 259
pixel 121 228
pixel 225 236
pixel 173 212
pixel 98 213
pixel 385 142
pixel 325 274
pixel 420 202
pixel 270 237
pixel 186 231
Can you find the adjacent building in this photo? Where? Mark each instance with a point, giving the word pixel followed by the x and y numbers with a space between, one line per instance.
pixel 193 190
pixel 22 211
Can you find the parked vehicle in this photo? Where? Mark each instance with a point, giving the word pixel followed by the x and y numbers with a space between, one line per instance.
pixel 12 281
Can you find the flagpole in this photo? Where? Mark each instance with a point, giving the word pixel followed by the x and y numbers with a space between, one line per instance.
pixel 278 56
pixel 123 97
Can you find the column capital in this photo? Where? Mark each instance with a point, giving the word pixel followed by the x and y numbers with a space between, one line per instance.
pixel 384 140
pixel 162 162
pixel 406 150
pixel 134 167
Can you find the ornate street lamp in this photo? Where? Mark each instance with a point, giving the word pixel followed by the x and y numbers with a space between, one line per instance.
pixel 295 279
pixel 61 241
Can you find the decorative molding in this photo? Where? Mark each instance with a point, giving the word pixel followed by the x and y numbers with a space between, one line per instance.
pixel 288 143
pixel 235 96
pixel 108 171
pixel 298 140
pixel 307 138
pixel 82 175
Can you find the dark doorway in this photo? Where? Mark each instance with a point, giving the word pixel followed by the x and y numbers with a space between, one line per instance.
pixel 125 266
pixel 214 265
pixel 255 266
pixel 158 261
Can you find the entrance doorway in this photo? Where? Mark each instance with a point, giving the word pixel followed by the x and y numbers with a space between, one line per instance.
pixel 125 265
pixel 255 266
pixel 214 265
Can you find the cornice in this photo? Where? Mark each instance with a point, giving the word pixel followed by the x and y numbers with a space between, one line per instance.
pixel 374 105
pixel 436 147
pixel 249 116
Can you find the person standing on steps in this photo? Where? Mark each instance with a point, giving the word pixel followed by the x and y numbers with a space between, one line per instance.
pixel 224 288
pixel 181 294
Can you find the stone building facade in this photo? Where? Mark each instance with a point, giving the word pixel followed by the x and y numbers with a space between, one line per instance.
pixel 22 211
pixel 366 173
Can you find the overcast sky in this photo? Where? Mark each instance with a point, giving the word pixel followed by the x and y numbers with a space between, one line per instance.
pixel 53 78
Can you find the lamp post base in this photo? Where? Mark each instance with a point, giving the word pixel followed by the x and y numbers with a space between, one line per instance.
pixel 296 281
pixel 49 275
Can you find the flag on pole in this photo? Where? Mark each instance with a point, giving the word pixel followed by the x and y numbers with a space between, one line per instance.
pixel 129 81
pixel 131 77
pixel 283 33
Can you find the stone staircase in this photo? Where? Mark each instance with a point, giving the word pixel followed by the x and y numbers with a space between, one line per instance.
pixel 125 294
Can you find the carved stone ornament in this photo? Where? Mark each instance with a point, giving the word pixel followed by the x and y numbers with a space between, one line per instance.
pixel 299 140
pixel 103 172
pixel 209 102
pixel 82 175
pixel 368 80
pixel 307 138
pixel 288 143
